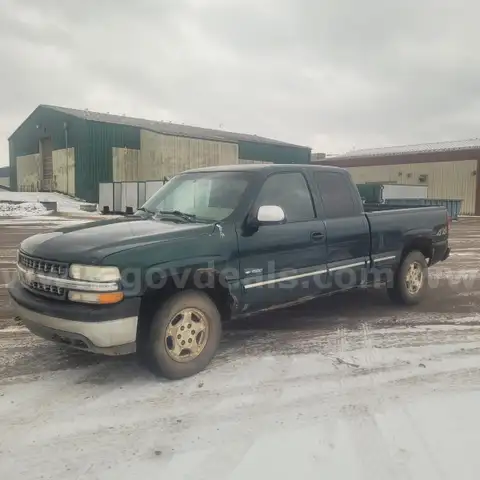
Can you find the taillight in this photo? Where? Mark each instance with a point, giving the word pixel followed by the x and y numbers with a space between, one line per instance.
pixel 449 223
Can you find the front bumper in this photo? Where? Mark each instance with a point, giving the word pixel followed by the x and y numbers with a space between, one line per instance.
pixel 110 331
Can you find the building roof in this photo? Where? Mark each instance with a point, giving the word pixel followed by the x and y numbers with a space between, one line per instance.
pixel 267 167
pixel 450 146
pixel 168 128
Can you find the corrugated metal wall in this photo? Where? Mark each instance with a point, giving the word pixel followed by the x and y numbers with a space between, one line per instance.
pixel 64 171
pixel 125 164
pixel 29 172
pixel 252 162
pixel 166 155
pixel 5 176
pixel 448 180
pixel 273 153
pixel 42 123
pixel 93 143
pixel 94 158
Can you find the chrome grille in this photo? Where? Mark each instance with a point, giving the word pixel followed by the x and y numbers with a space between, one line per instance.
pixel 43 266
pixel 49 289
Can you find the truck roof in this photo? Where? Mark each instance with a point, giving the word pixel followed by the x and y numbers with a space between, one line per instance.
pixel 266 167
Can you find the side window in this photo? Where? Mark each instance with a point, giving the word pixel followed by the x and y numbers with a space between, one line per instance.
pixel 335 190
pixel 289 191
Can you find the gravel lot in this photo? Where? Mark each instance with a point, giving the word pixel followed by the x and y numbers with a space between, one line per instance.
pixel 347 386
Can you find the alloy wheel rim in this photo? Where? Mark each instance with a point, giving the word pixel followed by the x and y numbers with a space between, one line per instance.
pixel 186 335
pixel 414 278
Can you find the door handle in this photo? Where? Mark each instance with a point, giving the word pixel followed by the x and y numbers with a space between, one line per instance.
pixel 317 236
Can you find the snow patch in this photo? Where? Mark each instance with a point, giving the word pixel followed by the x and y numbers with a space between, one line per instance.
pixel 26 209
pixel 13 329
pixel 65 203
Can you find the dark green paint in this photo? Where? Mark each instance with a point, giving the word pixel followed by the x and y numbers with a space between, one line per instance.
pixel 237 246
pixel 273 153
pixel 94 163
pixel 44 122
pixel 370 192
pixel 92 141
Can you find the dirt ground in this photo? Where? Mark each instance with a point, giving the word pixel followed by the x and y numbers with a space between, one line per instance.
pixel 354 385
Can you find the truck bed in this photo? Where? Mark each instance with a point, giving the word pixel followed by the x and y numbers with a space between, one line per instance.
pixel 393 227
pixel 379 207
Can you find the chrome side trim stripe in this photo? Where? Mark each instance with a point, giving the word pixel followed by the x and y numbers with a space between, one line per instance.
pixel 317 272
pixel 285 279
pixel 384 259
pixel 304 275
pixel 351 265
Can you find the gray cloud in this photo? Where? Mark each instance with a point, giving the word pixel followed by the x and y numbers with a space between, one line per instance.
pixel 332 75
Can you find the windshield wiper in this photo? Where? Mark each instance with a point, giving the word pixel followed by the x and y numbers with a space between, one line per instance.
pixel 189 217
pixel 143 209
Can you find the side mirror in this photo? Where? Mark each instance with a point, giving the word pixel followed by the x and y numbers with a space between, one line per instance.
pixel 270 215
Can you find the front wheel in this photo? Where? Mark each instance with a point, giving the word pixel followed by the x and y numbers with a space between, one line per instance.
pixel 410 281
pixel 184 335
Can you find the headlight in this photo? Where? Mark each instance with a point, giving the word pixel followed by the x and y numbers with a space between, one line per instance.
pixel 89 273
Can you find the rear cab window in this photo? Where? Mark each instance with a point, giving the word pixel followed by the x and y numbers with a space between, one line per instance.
pixel 290 192
pixel 335 191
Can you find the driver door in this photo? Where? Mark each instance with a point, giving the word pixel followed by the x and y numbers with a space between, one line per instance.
pixel 283 262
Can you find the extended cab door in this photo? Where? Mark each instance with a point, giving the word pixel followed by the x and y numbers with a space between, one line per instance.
pixel 348 234
pixel 284 262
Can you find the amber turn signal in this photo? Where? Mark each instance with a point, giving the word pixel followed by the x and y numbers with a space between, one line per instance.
pixel 98 298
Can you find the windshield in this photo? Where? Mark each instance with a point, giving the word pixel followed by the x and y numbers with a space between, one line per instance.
pixel 207 196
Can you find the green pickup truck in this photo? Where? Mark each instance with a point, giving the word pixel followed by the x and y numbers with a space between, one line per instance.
pixel 213 244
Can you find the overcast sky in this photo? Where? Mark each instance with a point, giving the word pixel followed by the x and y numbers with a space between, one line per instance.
pixel 333 75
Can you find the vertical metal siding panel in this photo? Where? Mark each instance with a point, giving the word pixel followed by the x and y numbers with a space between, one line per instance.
pixel 64 170
pixel 262 152
pixel 166 155
pixel 71 171
pixel 227 154
pixel 117 171
pixel 29 172
pixel 59 163
pixel 96 165
pixel 132 158
pixel 13 165
pixel 125 164
pixel 446 180
pixel 42 123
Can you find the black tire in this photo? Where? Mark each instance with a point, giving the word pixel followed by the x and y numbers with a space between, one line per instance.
pixel 399 292
pixel 154 349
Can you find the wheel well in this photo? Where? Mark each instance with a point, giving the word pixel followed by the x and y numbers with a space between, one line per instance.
pixel 423 245
pixel 207 281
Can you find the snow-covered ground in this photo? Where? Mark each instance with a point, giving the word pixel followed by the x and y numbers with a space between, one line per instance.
pixel 398 404
pixel 65 204
pixel 22 209
pixel 347 387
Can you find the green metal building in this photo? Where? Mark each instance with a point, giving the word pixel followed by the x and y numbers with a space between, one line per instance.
pixel 72 151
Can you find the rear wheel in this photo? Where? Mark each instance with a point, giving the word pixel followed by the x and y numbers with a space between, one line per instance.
pixel 184 335
pixel 410 281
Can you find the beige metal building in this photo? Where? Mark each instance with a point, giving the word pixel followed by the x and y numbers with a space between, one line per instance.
pixel 73 151
pixel 449 169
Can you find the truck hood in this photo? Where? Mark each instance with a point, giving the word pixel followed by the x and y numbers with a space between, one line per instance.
pixel 91 242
